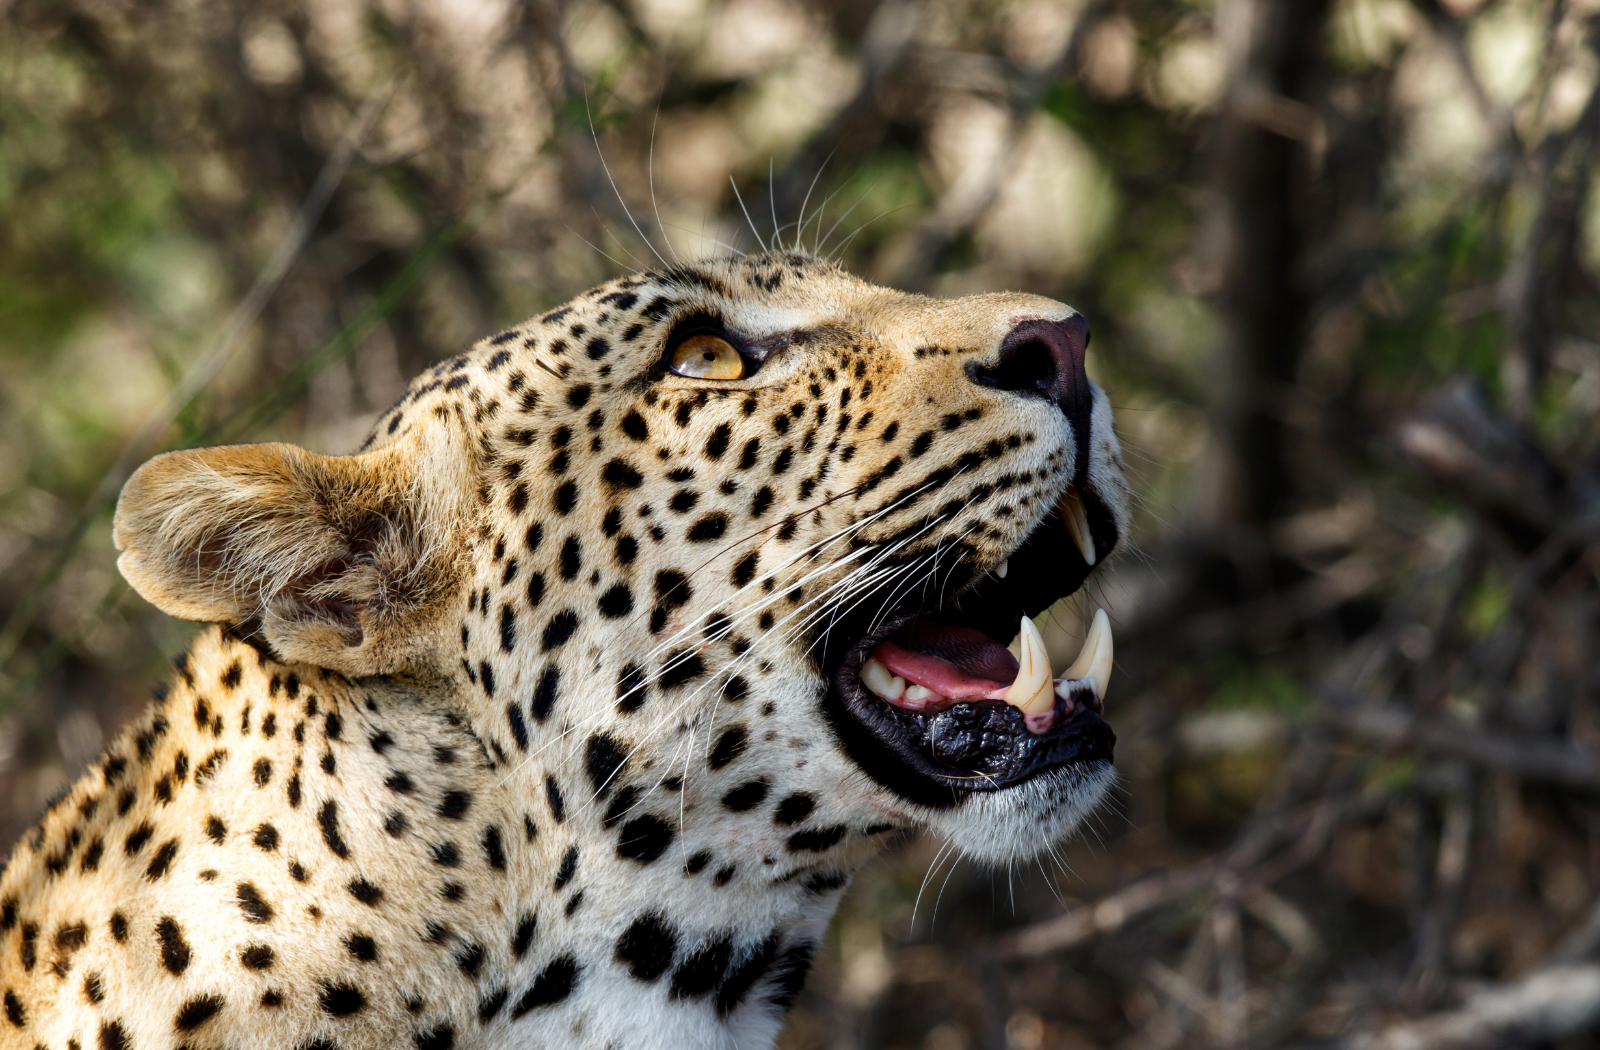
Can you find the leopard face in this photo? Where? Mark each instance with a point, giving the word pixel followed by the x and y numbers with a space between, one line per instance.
pixel 717 565
pixel 613 561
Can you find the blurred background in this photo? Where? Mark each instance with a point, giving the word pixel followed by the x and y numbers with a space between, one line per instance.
pixel 1341 261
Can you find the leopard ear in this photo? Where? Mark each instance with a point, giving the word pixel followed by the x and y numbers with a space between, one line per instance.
pixel 344 561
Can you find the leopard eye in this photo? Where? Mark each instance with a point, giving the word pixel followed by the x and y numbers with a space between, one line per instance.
pixel 707 357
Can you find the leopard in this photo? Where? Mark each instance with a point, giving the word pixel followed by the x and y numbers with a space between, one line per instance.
pixel 562 712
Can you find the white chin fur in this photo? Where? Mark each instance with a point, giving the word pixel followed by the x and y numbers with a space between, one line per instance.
pixel 1019 823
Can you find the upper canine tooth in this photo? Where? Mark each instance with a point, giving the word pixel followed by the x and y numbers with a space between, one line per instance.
pixel 1003 568
pixel 1032 689
pixel 1077 522
pixel 877 678
pixel 1093 664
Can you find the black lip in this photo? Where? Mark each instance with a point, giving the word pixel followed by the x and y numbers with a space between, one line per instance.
pixel 907 752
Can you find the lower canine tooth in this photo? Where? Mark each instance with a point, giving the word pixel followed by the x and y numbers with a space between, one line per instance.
pixel 1031 691
pixel 1003 568
pixel 919 692
pixel 1094 661
pixel 877 678
pixel 1077 522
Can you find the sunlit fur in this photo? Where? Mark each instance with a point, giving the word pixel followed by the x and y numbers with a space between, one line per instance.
pixel 513 735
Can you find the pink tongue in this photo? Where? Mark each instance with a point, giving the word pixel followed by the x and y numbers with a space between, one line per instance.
pixel 955 662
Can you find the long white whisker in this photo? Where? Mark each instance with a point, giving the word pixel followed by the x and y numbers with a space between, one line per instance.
pixel 607 169
pixel 754 232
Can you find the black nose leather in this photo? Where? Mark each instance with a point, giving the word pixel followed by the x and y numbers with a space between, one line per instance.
pixel 1045 359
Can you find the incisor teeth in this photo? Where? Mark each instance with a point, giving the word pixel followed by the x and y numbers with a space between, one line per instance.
pixel 1031 690
pixel 1003 568
pixel 1093 664
pixel 1077 522
pixel 877 678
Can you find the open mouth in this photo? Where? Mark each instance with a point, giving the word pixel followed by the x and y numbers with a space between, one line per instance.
pixel 930 700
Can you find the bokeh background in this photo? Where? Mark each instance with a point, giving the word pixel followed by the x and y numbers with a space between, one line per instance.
pixel 1341 260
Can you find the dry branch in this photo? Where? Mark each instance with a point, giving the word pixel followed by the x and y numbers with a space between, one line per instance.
pixel 1548 1004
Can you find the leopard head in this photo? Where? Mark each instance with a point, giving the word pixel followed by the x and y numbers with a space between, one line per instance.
pixel 724 555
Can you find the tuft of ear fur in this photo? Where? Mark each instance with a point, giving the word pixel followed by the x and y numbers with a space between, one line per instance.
pixel 344 561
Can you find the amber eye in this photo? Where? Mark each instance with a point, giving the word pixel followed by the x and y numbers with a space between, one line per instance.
pixel 707 357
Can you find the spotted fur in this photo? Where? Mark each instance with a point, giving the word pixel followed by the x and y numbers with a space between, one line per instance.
pixel 508 731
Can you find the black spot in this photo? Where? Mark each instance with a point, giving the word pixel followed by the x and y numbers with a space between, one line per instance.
pixel 566 497
pixel 161 863
pixel 341 1000
pixel 365 892
pixel 795 808
pixel 597 348
pixel 446 854
pixel 761 503
pixel 644 839
pixel 508 628
pixel 702 971
pixel 745 973
pixel 616 602
pixel 14 1011
pixel 112 1036
pixel 603 760
pixel 362 947
pixel 552 794
pixel 697 862
pixel 294 791
pixel 725 876
pixel 399 783
pixel 119 927
pixel 620 475
pixel 328 819
pixel 524 934
pixel 489 1006
pixel 256 957
pixel 571 558
pixel 746 796
pixel 137 838
pixel 647 946
pixel 535 590
pixel 708 528
pixel 569 868
pixel 544 694
pixel 681 667
pixel 439 1037
pixel 683 501
pixel 627 549
pixel 266 838
pixel 216 830
pixel 634 426
pixel 922 443
pixel 578 396
pixel 558 630
pixel 493 851
pixel 816 840
pixel 454 805
pixel 263 772
pixel 554 984
pixel 717 443
pixel 630 689
pixel 621 805
pixel 94 989
pixel 198 1011
pixel 175 952
pixel 730 745
pixel 91 856
pixel 255 908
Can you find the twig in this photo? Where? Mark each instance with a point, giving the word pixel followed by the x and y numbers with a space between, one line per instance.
pixel 1547 761
pixel 1547 1005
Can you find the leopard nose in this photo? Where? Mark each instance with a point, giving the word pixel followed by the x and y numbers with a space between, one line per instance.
pixel 1041 358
